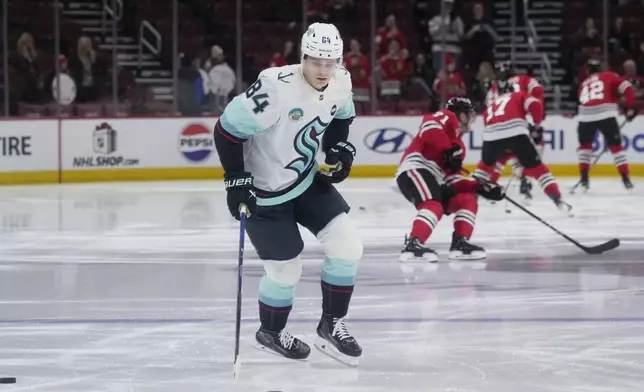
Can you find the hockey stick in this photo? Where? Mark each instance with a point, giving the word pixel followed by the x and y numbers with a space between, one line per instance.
pixel 593 250
pixel 597 157
pixel 243 211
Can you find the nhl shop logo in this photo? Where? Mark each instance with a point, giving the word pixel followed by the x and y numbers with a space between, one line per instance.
pixel 104 139
pixel 296 114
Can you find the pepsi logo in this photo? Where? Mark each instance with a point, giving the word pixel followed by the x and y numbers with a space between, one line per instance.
pixel 196 142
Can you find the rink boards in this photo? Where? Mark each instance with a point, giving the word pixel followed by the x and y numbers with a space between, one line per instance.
pixel 122 149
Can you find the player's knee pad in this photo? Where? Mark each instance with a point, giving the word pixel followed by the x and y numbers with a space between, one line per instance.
pixel 343 250
pixel 484 172
pixel 284 272
pixel 464 202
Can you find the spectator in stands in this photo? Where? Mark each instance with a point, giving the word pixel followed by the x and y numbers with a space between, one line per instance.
pixel 588 36
pixel 394 64
pixel 619 39
pixel 422 74
pixel 640 59
pixel 389 33
pixel 358 64
pixel 479 39
pixel 222 79
pixel 31 80
pixel 342 11
pixel 87 71
pixel 318 11
pixel 286 57
pixel 481 85
pixel 630 72
pixel 192 90
pixel 452 27
pixel 68 87
pixel 449 79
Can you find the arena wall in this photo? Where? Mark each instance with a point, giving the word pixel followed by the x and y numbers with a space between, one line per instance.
pixel 127 149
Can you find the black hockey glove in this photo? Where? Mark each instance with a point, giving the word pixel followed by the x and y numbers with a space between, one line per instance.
pixel 490 191
pixel 631 114
pixel 536 133
pixel 339 158
pixel 454 158
pixel 239 189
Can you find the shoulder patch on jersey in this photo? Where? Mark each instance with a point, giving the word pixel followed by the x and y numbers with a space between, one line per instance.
pixel 296 114
pixel 285 77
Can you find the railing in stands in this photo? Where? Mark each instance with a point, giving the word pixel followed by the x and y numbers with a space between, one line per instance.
pixel 116 14
pixel 156 48
pixel 546 65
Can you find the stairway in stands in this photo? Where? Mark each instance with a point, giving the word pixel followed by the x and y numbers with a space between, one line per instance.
pixel 546 15
pixel 89 15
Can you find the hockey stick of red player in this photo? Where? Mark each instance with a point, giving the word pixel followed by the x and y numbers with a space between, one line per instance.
pixel 593 250
pixel 597 157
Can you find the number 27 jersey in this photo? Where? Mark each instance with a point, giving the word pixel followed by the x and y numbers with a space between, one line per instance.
pixel 599 96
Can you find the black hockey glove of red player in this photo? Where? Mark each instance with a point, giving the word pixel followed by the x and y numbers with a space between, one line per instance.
pixel 536 133
pixel 239 190
pixel 339 159
pixel 490 191
pixel 453 158
pixel 630 114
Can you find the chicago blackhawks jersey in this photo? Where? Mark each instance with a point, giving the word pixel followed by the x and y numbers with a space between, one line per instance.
pixel 505 116
pixel 282 119
pixel 520 83
pixel 599 96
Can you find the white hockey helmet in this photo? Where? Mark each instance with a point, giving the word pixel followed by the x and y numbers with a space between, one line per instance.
pixel 322 40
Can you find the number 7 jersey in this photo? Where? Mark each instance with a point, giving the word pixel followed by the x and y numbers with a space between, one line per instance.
pixel 599 96
pixel 505 116
pixel 281 120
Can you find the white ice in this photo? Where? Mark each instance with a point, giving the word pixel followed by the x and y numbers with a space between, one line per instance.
pixel 131 287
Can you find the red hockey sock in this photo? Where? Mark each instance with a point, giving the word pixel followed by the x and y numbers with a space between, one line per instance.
pixel 585 157
pixel 484 172
pixel 430 213
pixel 621 161
pixel 546 180
pixel 465 207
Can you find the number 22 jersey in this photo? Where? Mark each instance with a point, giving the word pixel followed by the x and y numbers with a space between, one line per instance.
pixel 599 96
pixel 282 120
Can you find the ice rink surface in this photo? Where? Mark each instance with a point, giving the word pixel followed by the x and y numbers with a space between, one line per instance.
pixel 131 287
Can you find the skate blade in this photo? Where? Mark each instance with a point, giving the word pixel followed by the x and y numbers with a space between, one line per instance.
pixel 262 348
pixel 409 257
pixel 330 350
pixel 460 256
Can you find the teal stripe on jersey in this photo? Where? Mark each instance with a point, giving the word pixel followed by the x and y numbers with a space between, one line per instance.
pixel 293 193
pixel 238 122
pixel 346 112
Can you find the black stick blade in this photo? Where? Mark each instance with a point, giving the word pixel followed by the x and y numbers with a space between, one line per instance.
pixel 605 247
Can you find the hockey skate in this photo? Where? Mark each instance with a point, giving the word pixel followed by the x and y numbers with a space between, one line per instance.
pixel 583 182
pixel 627 182
pixel 282 343
pixel 461 249
pixel 562 205
pixel 335 341
pixel 414 251
pixel 525 188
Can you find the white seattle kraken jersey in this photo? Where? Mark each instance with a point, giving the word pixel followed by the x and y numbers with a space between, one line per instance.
pixel 283 118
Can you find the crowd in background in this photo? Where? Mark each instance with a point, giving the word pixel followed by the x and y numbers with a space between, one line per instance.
pixel 409 76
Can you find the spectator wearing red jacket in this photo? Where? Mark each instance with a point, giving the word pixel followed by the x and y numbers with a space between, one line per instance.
pixel 394 65
pixel 389 33
pixel 358 64
pixel 451 79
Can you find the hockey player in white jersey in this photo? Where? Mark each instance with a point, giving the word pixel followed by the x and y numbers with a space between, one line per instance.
pixel 267 139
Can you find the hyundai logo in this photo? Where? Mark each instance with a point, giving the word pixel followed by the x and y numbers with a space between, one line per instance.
pixel 388 140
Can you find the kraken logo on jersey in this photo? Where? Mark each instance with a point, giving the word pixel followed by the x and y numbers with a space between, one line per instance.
pixel 306 144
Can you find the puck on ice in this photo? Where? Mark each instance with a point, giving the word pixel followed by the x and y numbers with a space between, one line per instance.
pixel 7 380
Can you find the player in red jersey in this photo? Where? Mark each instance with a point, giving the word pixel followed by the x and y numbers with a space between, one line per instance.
pixel 505 73
pixel 430 177
pixel 506 129
pixel 599 97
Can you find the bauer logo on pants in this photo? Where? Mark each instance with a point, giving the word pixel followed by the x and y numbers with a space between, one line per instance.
pixel 196 142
